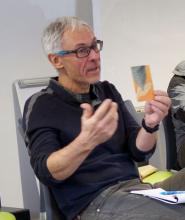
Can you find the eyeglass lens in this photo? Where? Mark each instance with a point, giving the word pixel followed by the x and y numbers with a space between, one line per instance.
pixel 85 51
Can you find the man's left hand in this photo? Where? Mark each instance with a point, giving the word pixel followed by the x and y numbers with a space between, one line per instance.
pixel 156 109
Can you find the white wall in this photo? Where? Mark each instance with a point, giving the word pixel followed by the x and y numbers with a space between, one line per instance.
pixel 140 32
pixel 21 56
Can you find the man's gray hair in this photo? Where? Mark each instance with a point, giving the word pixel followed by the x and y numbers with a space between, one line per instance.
pixel 53 33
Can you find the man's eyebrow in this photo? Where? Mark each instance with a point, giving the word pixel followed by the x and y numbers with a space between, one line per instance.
pixel 84 44
pixel 81 45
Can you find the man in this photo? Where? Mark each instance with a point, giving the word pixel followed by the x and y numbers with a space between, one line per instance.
pixel 176 91
pixel 81 138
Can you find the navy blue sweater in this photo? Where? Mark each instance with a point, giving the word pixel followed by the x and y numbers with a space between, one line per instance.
pixel 52 120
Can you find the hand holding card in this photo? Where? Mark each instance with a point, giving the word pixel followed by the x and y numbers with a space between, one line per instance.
pixel 142 82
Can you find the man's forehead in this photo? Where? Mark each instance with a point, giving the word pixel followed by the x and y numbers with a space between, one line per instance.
pixel 78 36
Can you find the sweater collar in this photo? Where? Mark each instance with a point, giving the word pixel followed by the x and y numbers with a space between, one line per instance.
pixel 92 97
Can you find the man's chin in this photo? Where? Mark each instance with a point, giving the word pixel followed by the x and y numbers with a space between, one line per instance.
pixel 94 79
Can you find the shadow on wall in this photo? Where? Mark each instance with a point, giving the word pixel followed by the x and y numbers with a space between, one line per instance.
pixel 84 11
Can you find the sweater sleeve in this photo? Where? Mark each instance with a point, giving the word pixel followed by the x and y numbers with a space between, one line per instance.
pixel 132 129
pixel 41 140
pixel 131 125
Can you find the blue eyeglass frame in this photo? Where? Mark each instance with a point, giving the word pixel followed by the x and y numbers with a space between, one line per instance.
pixel 65 52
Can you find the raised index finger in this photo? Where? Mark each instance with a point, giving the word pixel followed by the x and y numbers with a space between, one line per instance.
pixel 102 109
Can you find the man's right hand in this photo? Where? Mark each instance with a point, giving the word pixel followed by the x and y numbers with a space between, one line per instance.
pixel 97 127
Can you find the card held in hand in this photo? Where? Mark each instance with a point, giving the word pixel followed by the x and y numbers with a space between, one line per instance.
pixel 142 82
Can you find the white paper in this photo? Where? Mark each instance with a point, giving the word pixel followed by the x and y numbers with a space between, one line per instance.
pixel 156 194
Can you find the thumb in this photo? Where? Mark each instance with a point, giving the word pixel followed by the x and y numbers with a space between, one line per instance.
pixel 87 110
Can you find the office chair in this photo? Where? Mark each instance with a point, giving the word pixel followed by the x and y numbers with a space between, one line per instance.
pixel 49 205
pixel 21 91
pixel 48 210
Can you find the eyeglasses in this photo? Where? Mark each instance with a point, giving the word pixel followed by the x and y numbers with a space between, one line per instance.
pixel 83 51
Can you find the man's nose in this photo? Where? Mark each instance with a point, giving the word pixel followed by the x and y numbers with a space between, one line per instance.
pixel 94 55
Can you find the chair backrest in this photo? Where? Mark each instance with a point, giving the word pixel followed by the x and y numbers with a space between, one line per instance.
pixel 171 150
pixel 22 89
pixel 49 204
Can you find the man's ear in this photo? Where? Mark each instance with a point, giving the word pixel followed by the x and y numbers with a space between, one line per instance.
pixel 55 60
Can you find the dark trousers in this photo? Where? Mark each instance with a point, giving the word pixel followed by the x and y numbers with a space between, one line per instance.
pixel 116 203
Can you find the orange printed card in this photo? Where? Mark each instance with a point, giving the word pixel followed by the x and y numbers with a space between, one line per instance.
pixel 143 82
